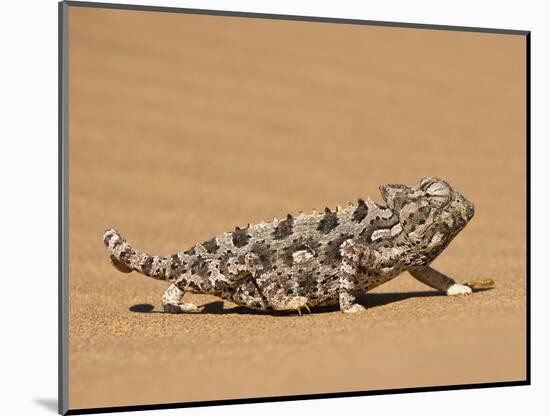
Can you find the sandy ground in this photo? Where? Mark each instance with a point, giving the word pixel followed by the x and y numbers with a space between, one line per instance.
pixel 183 126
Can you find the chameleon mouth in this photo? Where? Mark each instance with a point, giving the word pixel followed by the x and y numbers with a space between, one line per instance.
pixel 462 212
pixel 459 217
pixel 467 211
pixel 471 211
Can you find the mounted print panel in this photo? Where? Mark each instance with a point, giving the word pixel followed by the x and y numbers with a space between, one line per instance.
pixel 200 265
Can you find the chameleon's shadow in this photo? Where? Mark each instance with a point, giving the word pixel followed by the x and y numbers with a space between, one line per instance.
pixel 368 300
pixel 143 308
pixel 215 308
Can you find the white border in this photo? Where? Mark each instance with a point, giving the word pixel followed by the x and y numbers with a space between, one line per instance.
pixel 28 32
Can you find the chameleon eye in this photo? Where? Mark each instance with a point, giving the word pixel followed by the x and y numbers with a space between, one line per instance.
pixel 439 193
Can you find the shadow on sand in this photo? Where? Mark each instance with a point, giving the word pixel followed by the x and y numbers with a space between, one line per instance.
pixel 368 300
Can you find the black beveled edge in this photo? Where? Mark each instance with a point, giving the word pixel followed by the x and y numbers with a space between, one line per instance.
pixel 294 398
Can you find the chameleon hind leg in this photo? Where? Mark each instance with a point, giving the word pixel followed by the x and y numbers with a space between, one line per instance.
pixel 208 281
pixel 276 299
pixel 171 301
pixel 247 276
pixel 244 274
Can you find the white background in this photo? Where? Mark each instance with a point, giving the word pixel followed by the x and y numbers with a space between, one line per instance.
pixel 28 126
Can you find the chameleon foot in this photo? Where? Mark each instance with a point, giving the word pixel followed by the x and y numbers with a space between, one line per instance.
pixel 180 308
pixel 355 308
pixel 299 309
pixel 458 289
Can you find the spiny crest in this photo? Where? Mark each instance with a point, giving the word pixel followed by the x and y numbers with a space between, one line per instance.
pixel 240 236
pixel 301 214
pixel 284 228
pixel 277 220
pixel 360 212
pixel 328 222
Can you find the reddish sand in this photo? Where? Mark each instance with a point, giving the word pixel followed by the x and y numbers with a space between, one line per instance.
pixel 184 126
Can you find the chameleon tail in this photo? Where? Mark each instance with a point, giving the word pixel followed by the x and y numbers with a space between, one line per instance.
pixel 126 259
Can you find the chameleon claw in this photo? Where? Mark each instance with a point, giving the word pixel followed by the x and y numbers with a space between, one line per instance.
pixel 299 309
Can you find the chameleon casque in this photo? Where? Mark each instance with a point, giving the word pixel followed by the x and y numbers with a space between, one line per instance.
pixel 315 259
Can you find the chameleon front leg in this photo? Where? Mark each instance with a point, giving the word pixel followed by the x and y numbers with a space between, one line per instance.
pixel 349 272
pixel 439 281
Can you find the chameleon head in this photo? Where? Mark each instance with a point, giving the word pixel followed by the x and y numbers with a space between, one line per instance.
pixel 431 213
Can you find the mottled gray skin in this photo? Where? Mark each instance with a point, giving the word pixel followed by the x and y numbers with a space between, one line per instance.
pixel 315 259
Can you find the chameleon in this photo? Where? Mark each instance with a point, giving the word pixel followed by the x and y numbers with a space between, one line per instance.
pixel 316 259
